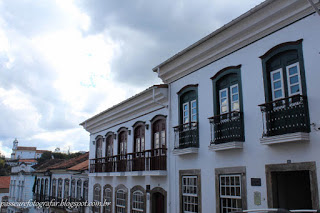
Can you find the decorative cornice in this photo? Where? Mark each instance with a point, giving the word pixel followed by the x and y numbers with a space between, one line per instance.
pixel 259 22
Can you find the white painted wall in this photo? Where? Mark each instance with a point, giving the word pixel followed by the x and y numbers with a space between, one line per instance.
pixel 253 155
pixel 128 181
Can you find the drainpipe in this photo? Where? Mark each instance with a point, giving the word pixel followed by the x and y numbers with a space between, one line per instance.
pixel 314 6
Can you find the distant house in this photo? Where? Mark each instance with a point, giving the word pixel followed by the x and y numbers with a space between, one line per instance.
pixel 58 180
pixel 25 152
pixel 4 191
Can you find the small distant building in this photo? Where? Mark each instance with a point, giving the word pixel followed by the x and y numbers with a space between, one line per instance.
pixel 21 183
pixel 4 191
pixel 25 152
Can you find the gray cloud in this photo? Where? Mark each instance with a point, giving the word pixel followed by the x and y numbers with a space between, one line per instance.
pixel 152 31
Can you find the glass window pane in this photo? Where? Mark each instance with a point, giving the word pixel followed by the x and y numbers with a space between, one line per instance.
pixel 294 79
pixel 235 97
pixel 224 101
pixel 185 107
pixel 234 89
pixel 235 106
pixel 278 94
pixel 194 111
pixel 293 70
pixel 194 118
pixel 295 89
pixel 224 109
pixel 223 94
pixel 276 76
pixel 194 104
pixel 277 85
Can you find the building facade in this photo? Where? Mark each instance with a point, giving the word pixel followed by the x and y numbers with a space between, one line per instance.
pixel 244 115
pixel 25 152
pixel 242 127
pixel 128 152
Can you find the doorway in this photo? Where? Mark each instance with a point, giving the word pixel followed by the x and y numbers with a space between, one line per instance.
pixel 291 190
pixel 292 186
pixel 157 203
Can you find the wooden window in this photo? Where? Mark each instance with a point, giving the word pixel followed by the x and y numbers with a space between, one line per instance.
pixel 277 84
pixel 46 187
pixel 66 188
pixel 107 197
pixel 96 197
pixel 294 79
pixel 122 148
pixel 99 147
pixel 60 188
pixel 73 188
pixel 54 187
pixel 224 101
pixel 121 201
pixel 137 202
pixel 159 133
pixel 189 194
pixel 230 193
pixel 109 145
pixel 139 137
pixel 79 186
pixel 85 190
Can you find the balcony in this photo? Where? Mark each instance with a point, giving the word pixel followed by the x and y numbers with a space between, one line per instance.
pixel 285 120
pixel 227 131
pixel 135 163
pixel 186 138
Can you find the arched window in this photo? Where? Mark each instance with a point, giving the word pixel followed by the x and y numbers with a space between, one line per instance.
pixel 79 186
pixel 122 141
pixel 138 199
pixel 46 187
pixel 73 188
pixel 109 145
pixel 286 108
pixel 99 141
pixel 66 188
pixel 120 201
pixel 139 137
pixel 227 122
pixel 107 197
pixel 38 186
pixel 121 198
pixel 42 187
pixel 54 187
pixel 137 202
pixel 96 197
pixel 158 132
pixel 187 130
pixel 59 188
pixel 85 190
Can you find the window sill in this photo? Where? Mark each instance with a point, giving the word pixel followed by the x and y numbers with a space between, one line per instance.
pixel 185 151
pixel 291 137
pixel 226 146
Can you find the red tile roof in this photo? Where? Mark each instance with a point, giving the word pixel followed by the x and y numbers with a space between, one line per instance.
pixel 71 162
pixel 4 182
pixel 81 166
pixel 43 167
pixel 28 160
pixel 29 148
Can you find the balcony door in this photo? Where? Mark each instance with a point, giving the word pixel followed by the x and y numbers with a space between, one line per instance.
pixel 122 150
pixel 109 153
pixel 139 147
pixel 158 154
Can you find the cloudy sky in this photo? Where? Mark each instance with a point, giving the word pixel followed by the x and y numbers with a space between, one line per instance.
pixel 62 61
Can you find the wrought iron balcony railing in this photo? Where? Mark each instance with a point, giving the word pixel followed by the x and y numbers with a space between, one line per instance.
pixel 186 135
pixel 148 160
pixel 227 127
pixel 286 115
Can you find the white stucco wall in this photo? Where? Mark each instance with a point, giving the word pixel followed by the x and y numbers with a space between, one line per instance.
pixel 127 180
pixel 253 155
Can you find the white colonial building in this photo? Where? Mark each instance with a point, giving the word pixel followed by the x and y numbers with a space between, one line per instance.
pixel 244 113
pixel 128 152
pixel 21 184
pixel 241 130
pixel 25 152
